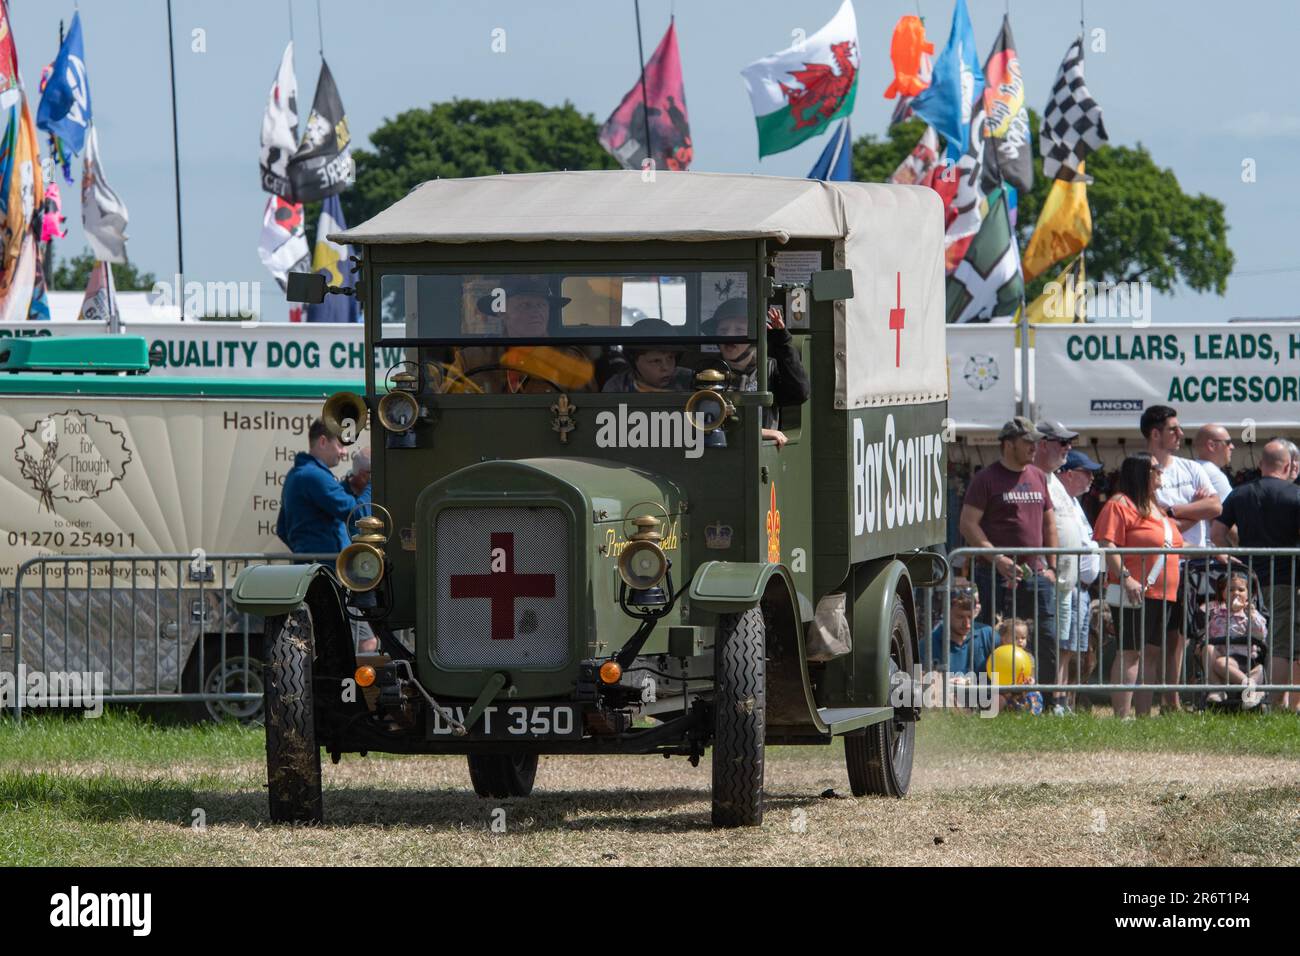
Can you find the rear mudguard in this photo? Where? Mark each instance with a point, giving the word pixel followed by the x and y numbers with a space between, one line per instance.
pixel 729 587
pixel 862 677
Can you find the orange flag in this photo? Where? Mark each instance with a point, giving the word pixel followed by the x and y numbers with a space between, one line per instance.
pixel 910 52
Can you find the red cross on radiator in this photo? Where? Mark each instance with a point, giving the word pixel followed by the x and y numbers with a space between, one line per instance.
pixel 502 587
pixel 896 316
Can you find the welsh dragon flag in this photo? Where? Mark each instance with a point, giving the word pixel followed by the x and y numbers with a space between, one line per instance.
pixel 799 92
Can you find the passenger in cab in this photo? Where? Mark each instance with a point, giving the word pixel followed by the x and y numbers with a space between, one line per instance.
pixel 786 378
pixel 527 307
pixel 651 368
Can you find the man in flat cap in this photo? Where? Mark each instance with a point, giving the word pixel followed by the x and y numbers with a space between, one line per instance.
pixel 1009 505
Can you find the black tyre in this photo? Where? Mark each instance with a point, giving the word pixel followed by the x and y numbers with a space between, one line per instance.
pixel 879 757
pixel 503 775
pixel 240 669
pixel 740 720
pixel 292 754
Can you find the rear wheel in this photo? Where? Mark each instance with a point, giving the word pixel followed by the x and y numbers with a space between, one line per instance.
pixel 879 757
pixel 503 775
pixel 739 719
pixel 292 754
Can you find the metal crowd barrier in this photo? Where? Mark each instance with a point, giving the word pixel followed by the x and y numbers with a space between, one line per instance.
pixel 142 623
pixel 1185 671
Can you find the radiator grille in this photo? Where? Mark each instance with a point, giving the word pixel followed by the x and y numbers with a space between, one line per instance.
pixel 502 591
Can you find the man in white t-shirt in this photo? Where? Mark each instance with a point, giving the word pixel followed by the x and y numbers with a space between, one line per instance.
pixel 1188 497
pixel 1213 447
pixel 1049 455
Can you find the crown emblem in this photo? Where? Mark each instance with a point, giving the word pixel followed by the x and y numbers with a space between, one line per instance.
pixel 717 536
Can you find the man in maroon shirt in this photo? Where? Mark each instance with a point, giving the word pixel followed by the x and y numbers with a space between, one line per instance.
pixel 1008 506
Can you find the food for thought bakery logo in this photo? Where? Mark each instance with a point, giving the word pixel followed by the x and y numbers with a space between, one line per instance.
pixel 72 455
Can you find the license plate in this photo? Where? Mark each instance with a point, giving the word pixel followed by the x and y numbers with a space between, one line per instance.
pixel 516 722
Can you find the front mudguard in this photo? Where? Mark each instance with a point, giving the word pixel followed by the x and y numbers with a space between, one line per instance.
pixel 275 590
pixel 730 587
pixel 272 590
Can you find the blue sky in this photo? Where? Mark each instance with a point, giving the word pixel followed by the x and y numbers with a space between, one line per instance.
pixel 1204 86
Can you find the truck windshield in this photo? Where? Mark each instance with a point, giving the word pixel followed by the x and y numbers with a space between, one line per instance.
pixel 587 331
pixel 515 306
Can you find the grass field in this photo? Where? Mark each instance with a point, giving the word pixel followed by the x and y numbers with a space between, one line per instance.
pixel 1180 790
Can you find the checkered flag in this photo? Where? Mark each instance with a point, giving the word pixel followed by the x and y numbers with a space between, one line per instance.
pixel 1072 126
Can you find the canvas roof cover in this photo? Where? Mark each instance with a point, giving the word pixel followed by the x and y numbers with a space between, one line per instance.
pixel 889 337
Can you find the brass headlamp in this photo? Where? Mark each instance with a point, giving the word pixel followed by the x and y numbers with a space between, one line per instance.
pixel 712 387
pixel 360 566
pixel 642 564
pixel 398 410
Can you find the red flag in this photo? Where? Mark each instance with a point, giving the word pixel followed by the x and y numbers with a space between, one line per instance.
pixel 624 132
pixel 8 53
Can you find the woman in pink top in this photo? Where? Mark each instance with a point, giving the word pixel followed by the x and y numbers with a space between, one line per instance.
pixel 1132 519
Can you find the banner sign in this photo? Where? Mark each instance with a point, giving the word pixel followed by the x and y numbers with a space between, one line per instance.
pixel 1106 376
pixel 260 350
pixel 98 474
pixel 982 375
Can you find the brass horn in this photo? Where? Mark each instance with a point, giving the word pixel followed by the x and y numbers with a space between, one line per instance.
pixel 345 415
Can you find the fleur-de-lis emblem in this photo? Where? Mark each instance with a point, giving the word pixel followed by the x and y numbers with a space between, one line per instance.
pixel 562 418
pixel 773 529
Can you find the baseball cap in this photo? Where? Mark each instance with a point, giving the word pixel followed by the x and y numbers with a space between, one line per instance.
pixel 1056 431
pixel 1019 427
pixel 1077 459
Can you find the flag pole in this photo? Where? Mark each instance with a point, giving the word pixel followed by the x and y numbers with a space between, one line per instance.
pixel 176 165
pixel 645 97
pixel 1083 253
pixel 49 246
pixel 645 117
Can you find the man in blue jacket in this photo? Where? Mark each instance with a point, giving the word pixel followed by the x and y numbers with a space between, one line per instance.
pixel 314 504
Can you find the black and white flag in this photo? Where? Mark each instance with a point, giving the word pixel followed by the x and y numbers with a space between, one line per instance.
pixel 1072 125
pixel 322 165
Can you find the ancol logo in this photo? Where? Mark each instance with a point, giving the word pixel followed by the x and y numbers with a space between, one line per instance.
pixel 896 481
pixel 637 429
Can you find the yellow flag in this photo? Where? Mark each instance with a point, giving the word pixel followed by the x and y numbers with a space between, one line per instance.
pixel 1064 227
pixel 1062 300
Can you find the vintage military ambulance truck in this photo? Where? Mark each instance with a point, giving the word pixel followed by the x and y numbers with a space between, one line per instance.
pixel 595 533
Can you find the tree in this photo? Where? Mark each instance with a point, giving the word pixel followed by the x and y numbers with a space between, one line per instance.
pixel 71 275
pixel 1144 227
pixel 470 138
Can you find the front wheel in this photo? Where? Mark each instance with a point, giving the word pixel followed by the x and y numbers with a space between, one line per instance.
pixel 879 757
pixel 503 775
pixel 740 719
pixel 292 754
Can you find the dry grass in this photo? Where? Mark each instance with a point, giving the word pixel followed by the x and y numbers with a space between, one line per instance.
pixel 1189 790
pixel 995 809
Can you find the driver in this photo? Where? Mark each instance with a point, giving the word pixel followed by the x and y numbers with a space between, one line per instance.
pixel 531 310
pixel 786 378
pixel 651 368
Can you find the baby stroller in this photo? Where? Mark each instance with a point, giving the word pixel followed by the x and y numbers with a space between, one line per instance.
pixel 1207 584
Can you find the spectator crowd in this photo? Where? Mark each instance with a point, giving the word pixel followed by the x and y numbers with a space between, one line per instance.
pixel 1156 619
